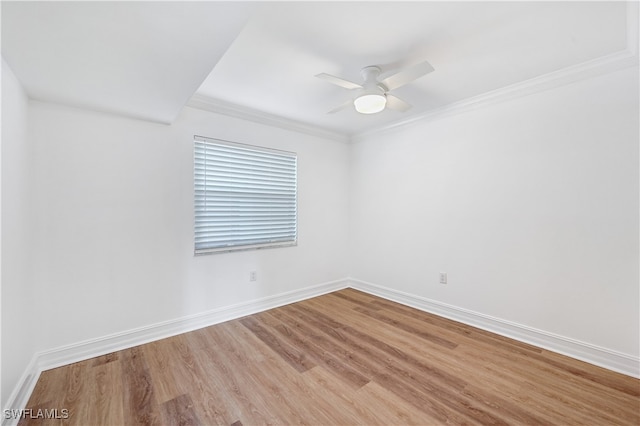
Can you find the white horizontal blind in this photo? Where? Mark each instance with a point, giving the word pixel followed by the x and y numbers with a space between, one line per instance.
pixel 245 196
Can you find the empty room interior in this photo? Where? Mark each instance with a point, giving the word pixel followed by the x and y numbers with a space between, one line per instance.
pixel 320 213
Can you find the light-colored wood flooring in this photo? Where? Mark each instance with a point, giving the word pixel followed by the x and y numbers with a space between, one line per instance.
pixel 344 358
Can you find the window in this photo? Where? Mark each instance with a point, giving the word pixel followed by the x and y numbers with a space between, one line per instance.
pixel 245 196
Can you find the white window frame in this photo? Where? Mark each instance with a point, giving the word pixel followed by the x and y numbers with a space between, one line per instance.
pixel 245 197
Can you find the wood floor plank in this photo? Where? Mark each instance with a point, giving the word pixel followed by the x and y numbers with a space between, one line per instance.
pixel 350 334
pixel 370 359
pixel 345 311
pixel 106 403
pixel 210 395
pixel 441 324
pixel 104 359
pixel 321 349
pixel 231 401
pixel 75 390
pixel 140 407
pixel 349 408
pixel 292 355
pixel 543 380
pixel 386 408
pixel 577 368
pixel 300 391
pixel 239 383
pixel 180 412
pixel 160 364
pixel 342 358
pixel 47 394
pixel 274 407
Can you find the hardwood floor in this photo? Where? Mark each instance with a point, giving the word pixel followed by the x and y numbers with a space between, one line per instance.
pixel 339 359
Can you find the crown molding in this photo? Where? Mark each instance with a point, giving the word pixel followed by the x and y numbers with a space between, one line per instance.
pixel 585 70
pixel 589 69
pixel 238 111
pixel 572 74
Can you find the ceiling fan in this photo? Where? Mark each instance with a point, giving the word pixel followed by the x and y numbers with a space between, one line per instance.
pixel 373 95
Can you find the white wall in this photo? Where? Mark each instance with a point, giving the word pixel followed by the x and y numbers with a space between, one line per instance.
pixel 530 206
pixel 17 291
pixel 114 222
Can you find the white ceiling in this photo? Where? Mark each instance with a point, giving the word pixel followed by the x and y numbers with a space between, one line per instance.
pixel 138 59
pixel 147 59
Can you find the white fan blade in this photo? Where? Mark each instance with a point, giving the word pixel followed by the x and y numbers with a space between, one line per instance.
pixel 396 103
pixel 341 107
pixel 339 81
pixel 407 75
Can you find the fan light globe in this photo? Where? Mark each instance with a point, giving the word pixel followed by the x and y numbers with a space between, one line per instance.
pixel 370 104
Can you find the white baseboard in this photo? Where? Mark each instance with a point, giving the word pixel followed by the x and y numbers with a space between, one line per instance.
pixel 21 393
pixel 611 360
pixel 103 345
pixel 81 351
pixel 95 347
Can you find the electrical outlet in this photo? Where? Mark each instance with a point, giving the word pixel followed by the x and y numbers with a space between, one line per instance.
pixel 253 276
pixel 443 277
